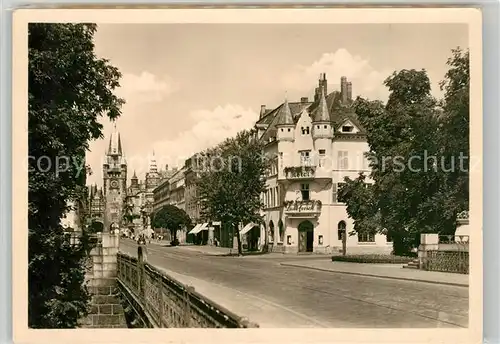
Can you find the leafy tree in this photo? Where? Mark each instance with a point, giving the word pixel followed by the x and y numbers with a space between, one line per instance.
pixel 69 90
pixel 173 219
pixel 455 130
pixel 412 140
pixel 231 182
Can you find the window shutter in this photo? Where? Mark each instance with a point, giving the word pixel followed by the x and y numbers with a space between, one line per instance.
pixel 334 193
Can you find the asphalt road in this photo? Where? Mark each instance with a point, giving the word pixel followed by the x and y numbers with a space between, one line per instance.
pixel 329 299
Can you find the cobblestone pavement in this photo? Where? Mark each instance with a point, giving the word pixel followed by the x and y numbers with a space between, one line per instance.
pixel 274 295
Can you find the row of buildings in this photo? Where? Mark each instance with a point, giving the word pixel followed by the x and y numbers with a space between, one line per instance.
pixel 314 144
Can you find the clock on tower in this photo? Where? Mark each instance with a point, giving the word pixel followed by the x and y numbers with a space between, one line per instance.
pixel 114 184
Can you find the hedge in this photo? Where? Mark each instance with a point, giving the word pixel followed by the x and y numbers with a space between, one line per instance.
pixel 373 258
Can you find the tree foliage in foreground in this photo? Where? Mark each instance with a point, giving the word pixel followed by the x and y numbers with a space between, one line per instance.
pixel 69 90
pixel 420 181
pixel 231 182
pixel 171 218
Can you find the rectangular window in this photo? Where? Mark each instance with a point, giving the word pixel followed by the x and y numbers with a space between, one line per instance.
pixel 322 154
pixel 320 240
pixel 347 128
pixel 304 189
pixel 335 192
pixel 277 197
pixel 305 158
pixel 289 239
pixel 305 130
pixel 343 160
pixel 388 237
pixel 366 237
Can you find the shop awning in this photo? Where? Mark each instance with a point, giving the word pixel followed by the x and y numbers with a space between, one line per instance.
pixel 204 227
pixel 195 229
pixel 247 228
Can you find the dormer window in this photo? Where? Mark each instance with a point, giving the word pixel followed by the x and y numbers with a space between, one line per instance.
pixel 347 128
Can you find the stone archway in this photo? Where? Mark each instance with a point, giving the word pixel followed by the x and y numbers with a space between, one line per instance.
pixel 281 230
pixel 97 226
pixel 306 236
pixel 271 231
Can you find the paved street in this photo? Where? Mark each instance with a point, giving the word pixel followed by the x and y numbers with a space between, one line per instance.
pixel 282 296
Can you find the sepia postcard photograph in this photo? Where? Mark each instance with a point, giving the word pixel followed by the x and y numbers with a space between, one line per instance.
pixel 302 175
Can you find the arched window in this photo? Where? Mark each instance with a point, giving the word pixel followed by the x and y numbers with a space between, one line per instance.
pixel 341 229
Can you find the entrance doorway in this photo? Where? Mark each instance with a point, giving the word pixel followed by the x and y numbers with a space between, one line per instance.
pixel 306 236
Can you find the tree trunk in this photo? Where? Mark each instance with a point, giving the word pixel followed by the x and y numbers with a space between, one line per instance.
pixel 238 238
pixel 344 243
pixel 401 244
pixel 173 237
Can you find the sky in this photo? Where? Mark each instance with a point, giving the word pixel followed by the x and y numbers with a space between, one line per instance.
pixel 187 87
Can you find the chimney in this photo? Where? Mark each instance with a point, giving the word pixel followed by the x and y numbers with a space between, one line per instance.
pixel 343 89
pixel 349 91
pixel 323 84
pixel 304 100
pixel 262 111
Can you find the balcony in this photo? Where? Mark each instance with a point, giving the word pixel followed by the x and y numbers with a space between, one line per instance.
pixel 300 172
pixel 302 209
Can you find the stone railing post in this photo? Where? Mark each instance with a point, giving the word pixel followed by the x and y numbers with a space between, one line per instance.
pixel 428 242
pixel 161 300
pixel 187 305
pixel 141 260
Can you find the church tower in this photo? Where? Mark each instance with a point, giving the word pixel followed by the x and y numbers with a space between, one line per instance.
pixel 115 181
pixel 152 177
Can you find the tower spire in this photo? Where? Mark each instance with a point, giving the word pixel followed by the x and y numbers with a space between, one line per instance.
pixel 321 114
pixel 115 143
pixel 285 114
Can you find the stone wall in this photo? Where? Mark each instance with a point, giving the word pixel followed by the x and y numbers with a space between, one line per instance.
pixel 106 309
pixel 159 300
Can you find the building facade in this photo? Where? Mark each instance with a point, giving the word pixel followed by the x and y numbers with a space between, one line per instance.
pixel 313 146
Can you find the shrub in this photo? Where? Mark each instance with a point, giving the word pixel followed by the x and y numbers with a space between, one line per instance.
pixel 372 258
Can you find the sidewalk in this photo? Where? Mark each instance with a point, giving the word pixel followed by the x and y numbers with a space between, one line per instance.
pixel 221 251
pixel 389 271
pixel 266 314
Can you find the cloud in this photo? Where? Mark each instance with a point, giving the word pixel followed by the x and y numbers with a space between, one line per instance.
pixel 366 80
pixel 146 87
pixel 211 127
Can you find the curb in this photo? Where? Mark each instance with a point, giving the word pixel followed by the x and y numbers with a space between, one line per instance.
pixel 377 276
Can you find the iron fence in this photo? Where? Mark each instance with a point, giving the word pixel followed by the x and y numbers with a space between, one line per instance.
pixel 171 303
pixel 452 255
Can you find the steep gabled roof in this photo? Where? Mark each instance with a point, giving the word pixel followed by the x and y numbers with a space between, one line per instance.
pixel 272 118
pixel 338 112
pixel 284 116
pixel 321 113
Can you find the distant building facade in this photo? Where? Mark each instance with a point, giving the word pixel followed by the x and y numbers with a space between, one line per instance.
pixel 114 182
